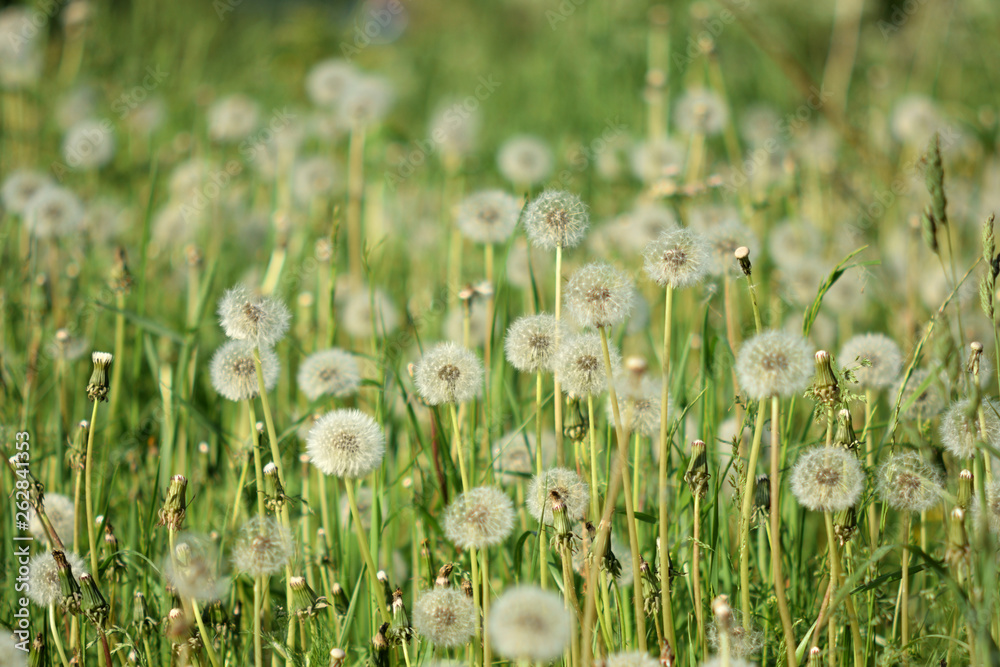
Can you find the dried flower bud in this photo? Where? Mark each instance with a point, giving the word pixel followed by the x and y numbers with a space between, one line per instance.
pixel 957 552
pixel 121 278
pixel 175 505
pixel 743 257
pixel 97 388
pixel 825 387
pixel 845 435
pixel 340 602
pixel 94 605
pixel 443 579
pixel 697 475
pixel 965 489
pixel 337 657
pixel 275 493
pixel 845 524
pixel 71 596
pixel 305 602
pixel 142 615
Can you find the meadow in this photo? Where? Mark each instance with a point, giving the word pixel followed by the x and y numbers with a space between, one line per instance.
pixel 537 331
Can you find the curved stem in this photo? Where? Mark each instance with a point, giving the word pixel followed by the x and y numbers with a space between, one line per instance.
pixel 366 553
pixel 88 493
pixel 779 579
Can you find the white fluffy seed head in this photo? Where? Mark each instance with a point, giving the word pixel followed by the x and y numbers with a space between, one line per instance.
pixel 366 308
pixel 20 187
pixel 445 616
pixel 878 350
pixel 328 80
pixel 960 430
pixel 232 118
pixel 260 320
pixel 89 144
pixel 774 363
pixel 532 342
pixel 346 443
pixel 639 403
pixel 488 216
pixel 701 110
pixel 479 518
pixel 828 479
pixel 11 654
pixel 53 212
pixel 557 484
pixel 556 219
pixel 192 570
pixel 630 659
pixel 525 160
pixel 908 483
pixel 599 295
pixel 992 507
pixel 263 548
pixel 580 365
pixel 332 372
pixel 61 512
pixel 44 585
pixel 530 624
pixel 233 372
pixel 745 640
pixel 514 454
pixel 448 373
pixel 678 258
pixel 724 237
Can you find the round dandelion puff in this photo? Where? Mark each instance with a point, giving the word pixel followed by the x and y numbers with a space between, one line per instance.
pixel 489 216
pixel 346 443
pixel 908 483
pixel 263 547
pixel 960 430
pixel 557 483
pixel 53 212
pixel 525 160
pixel 44 586
pixel 878 350
pixel 556 219
pixel 233 372
pixel 724 237
pixel 678 258
pixel 480 517
pixel 61 513
pixel 530 624
pixel 20 187
pixel 514 454
pixel 599 295
pixel 828 479
pixel 445 616
pixel 261 320
pixel 532 342
pixel 631 659
pixel 639 402
pixel 448 373
pixel 363 308
pixel 701 110
pixel 580 364
pixel 328 80
pixel 192 570
pixel 992 507
pixel 744 639
pixel 774 363
pixel 332 372
pixel 232 118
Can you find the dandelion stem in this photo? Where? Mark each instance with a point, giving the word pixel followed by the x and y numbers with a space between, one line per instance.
pixel 661 497
pixel 831 540
pixel 458 445
pixel 542 542
pixel 258 467
pixel 476 599
pixel 366 553
pixel 88 492
pixel 56 637
pixel 699 612
pixel 557 394
pixel 904 583
pixel 779 579
pixel 258 649
pixel 595 490
pixel 206 639
pixel 487 649
pixel 747 508
pixel 640 615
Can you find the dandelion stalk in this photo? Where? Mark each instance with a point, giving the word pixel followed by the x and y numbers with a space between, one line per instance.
pixel 664 518
pixel 904 583
pixel 557 386
pixel 747 509
pixel 779 580
pixel 56 635
pixel 542 542
pixel 376 585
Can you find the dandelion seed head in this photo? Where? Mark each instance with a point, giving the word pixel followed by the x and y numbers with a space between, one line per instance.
pixel 745 639
pixel 678 258
pixel 257 319
pixel 561 482
pixel 61 513
pixel 448 373
pixel 346 443
pixel 914 119
pixel 532 342
pixel 44 585
pixel 881 351
pixel 53 212
pixel 192 570
pixel 774 363
pixel 234 375
pixel 828 479
pixel 232 118
pixel 313 178
pixel 908 483
pixel 701 110
pixel 329 80
pixel 723 240
pixel 89 144
pixel 19 187
pixel 479 518
pixel 332 372
pixel 445 616
pixel 363 309
pixel 514 454
pixel 580 364
pixel 488 216
pixel 639 403
pixel 263 547
pixel 657 159
pixel 556 219
pixel 366 102
pixel 629 659
pixel 525 160
pixel 599 295
pixel 10 654
pixel 960 431
pixel 527 623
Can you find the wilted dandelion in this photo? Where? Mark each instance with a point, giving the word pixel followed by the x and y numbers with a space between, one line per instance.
pixel 556 219
pixel 525 160
pixel 257 319
pixel 44 586
pixel 19 187
pixel 331 372
pixel 580 364
pixel 479 518
pixel 448 373
pixel 701 110
pixel 233 372
pixel 992 506
pixel 530 624
pixel 678 258
pixel 532 342
pixel 53 212
pixel 445 616
pixel 263 547
pixel 346 443
pixel 960 430
pixel 774 363
pixel 599 295
pixel 828 479
pixel 232 118
pixel 881 352
pixel 488 216
pixel 908 483
pixel 329 80
pixel 191 569
pixel 61 513
pixel 559 483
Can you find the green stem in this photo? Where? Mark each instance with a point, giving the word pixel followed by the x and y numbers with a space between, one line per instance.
pixel 664 518
pixel 557 395
pixel 88 494
pixel 457 430
pixel 595 490
pixel 779 579
pixel 747 508
pixel 366 554
pixel 206 639
pixel 56 638
pixel 904 584
pixel 539 464
pixel 257 465
pixel 258 649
